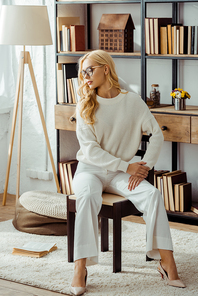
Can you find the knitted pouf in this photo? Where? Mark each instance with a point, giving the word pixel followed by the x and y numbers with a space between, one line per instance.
pixel 41 212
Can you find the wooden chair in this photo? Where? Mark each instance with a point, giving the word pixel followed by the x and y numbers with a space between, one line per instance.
pixel 113 207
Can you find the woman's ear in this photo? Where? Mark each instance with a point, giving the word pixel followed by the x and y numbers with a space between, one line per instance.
pixel 106 69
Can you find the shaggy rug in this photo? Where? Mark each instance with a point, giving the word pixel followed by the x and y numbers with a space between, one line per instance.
pixel 138 277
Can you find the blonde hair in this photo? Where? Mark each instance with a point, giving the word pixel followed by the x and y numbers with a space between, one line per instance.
pixel 88 103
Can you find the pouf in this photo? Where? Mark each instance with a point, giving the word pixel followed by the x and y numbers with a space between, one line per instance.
pixel 41 212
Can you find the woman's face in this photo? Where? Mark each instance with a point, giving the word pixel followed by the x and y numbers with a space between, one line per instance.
pixel 93 73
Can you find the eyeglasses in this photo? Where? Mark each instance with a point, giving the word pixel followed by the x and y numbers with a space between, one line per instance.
pixel 89 71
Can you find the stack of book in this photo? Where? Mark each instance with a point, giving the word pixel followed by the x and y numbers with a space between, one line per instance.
pixel 70 34
pixel 67 88
pixel 175 190
pixel 164 37
pixel 66 172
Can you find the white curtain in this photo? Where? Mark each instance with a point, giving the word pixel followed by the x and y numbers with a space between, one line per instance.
pixel 34 151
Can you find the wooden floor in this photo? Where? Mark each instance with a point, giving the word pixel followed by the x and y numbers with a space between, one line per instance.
pixel 8 288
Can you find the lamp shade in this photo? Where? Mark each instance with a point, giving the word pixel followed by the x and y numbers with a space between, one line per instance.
pixel 24 25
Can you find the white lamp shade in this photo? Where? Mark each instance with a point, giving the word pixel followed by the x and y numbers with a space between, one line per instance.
pixel 24 25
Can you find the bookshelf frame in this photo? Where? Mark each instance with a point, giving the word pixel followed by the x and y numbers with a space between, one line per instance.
pixel 187 217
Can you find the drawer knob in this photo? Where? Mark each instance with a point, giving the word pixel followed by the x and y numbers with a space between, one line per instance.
pixel 72 119
pixel 164 128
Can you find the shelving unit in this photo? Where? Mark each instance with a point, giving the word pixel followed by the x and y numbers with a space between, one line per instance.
pixel 63 112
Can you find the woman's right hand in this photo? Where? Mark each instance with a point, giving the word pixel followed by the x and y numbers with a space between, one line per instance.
pixel 138 169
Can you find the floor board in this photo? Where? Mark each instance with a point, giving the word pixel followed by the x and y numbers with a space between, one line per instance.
pixel 8 288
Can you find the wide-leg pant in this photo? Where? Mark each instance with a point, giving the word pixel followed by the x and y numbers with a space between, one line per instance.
pixel 89 183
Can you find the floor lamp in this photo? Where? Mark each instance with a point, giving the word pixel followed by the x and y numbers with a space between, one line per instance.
pixel 24 25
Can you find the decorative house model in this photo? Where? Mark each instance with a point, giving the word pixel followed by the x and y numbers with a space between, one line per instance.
pixel 116 32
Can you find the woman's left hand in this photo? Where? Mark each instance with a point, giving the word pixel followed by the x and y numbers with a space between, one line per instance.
pixel 134 182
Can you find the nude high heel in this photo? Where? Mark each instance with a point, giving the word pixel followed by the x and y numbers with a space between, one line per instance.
pixel 174 283
pixel 79 290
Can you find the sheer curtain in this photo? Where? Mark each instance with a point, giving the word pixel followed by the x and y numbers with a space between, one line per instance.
pixel 34 150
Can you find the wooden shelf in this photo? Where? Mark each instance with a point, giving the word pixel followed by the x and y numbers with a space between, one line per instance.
pixel 173 56
pixel 97 1
pixel 136 55
pixel 190 110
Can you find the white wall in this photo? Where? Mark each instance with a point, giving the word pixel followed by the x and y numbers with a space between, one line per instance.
pixel 158 71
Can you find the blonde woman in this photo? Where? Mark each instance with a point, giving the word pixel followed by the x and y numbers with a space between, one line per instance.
pixel 110 124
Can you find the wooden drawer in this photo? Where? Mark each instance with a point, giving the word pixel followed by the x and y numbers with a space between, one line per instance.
pixel 175 128
pixel 62 116
pixel 194 130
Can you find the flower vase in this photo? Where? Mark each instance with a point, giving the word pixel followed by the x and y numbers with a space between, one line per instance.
pixel 183 104
pixel 177 103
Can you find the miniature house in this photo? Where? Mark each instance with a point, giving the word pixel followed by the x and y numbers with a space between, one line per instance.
pixel 116 32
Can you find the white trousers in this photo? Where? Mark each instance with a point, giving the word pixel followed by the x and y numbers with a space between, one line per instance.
pixel 89 183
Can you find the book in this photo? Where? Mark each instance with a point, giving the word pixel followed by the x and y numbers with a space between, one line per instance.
pixel 62 178
pixel 69 95
pixel 159 22
pixel 189 39
pixel 77 38
pixel 195 48
pixel 75 86
pixel 178 40
pixel 158 173
pixel 163 40
pixel 169 35
pixel 183 32
pixel 177 197
pixel 67 182
pixel 147 36
pixel 69 168
pixel 194 208
pixel 159 183
pixel 152 45
pixel 35 249
pixel 171 180
pixel 66 21
pixel 165 188
pixel 72 91
pixel 185 197
pixel 60 86
pixel 192 39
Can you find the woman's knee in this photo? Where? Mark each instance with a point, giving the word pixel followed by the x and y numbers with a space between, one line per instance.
pixel 87 188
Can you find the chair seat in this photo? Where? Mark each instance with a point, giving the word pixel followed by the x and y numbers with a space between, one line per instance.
pixel 107 198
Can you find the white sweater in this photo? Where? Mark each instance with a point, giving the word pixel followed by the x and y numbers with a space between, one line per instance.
pixel 115 137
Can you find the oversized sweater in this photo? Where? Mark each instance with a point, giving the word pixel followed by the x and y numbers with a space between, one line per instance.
pixel 115 137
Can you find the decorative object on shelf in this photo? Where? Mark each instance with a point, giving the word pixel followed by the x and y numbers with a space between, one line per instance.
pixel 180 96
pixel 116 33
pixel 24 25
pixel 155 95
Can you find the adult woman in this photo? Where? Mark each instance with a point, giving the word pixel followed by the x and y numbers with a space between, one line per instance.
pixel 110 123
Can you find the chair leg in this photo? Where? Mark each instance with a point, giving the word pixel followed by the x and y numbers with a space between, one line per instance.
pixel 70 233
pixel 117 237
pixel 104 235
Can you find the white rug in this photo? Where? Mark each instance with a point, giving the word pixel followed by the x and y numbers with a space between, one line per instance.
pixel 138 277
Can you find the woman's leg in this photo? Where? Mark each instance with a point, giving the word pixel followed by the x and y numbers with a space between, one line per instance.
pixel 148 200
pixel 88 190
pixel 168 264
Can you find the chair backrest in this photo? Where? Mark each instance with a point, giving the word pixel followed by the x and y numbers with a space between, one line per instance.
pixel 141 152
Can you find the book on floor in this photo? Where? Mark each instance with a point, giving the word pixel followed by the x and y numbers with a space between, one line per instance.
pixel 34 249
